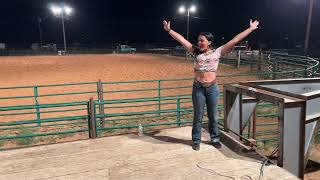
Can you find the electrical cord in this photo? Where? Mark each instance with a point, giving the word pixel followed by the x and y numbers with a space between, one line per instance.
pixel 264 163
pixel 213 172
pixel 267 162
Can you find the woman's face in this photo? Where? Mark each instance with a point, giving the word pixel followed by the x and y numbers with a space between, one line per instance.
pixel 203 43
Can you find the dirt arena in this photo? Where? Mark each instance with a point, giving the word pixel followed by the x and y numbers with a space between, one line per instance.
pixel 44 70
pixel 38 70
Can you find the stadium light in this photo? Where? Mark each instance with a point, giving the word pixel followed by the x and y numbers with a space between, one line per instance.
pixel 68 10
pixel 56 10
pixel 62 10
pixel 191 9
pixel 182 9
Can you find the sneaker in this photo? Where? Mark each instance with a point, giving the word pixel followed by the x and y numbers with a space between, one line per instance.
pixel 196 146
pixel 216 145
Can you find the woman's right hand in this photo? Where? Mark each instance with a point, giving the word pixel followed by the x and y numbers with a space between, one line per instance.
pixel 185 43
pixel 166 25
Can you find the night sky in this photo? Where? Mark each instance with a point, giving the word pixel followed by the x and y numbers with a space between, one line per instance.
pixel 140 21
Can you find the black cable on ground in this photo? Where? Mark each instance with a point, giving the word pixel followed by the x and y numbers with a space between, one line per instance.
pixel 267 162
pixel 264 163
pixel 213 172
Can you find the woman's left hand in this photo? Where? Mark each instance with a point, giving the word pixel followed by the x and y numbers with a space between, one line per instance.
pixel 254 25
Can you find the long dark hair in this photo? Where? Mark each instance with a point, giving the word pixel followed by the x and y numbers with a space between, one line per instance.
pixel 209 37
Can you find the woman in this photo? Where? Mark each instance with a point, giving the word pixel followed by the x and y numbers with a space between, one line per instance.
pixel 205 88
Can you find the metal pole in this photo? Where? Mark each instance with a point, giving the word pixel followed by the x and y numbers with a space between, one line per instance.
pixel 101 100
pixel 306 43
pixel 40 32
pixel 188 24
pixel 179 111
pixel 159 97
pixel 239 59
pixel 64 33
pixel 188 16
pixel 254 123
pixel 36 95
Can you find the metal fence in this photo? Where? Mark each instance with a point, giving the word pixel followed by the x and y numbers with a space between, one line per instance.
pixel 29 112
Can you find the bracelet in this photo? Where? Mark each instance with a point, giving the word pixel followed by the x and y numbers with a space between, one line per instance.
pixel 169 30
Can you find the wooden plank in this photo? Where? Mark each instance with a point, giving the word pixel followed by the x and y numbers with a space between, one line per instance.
pixel 92 120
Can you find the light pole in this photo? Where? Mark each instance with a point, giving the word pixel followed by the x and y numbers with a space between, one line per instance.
pixel 306 42
pixel 191 9
pixel 40 31
pixel 62 11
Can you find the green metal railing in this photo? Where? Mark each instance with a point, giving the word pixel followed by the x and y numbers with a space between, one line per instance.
pixel 11 128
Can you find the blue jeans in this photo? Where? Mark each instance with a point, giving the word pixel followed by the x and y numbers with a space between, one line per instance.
pixel 200 96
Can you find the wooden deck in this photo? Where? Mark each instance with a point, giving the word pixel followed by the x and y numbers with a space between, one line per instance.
pixel 163 155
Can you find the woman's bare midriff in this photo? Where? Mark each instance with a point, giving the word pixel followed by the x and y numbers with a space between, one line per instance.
pixel 205 77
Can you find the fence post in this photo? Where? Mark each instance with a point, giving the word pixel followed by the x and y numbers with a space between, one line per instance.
pixel 35 90
pixel 260 61
pixel 91 121
pixel 305 72
pixel 101 105
pixel 315 71
pixel 178 111
pixel 239 58
pixel 274 69
pixel 254 123
pixel 159 96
